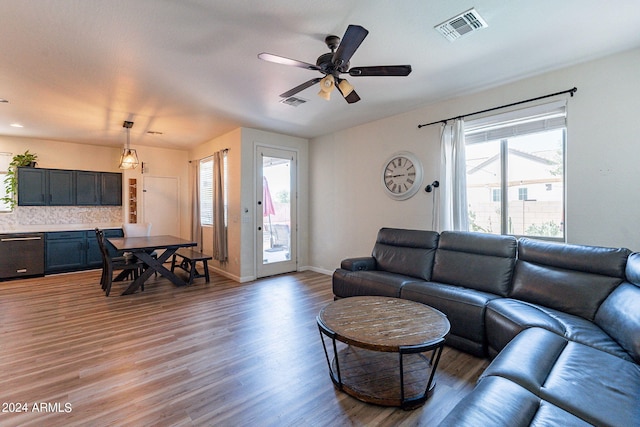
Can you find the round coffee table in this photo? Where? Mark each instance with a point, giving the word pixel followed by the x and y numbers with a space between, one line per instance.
pixel 383 356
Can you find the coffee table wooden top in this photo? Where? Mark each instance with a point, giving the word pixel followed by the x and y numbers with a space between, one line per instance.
pixel 383 323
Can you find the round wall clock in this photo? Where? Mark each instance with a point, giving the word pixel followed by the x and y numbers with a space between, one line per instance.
pixel 402 175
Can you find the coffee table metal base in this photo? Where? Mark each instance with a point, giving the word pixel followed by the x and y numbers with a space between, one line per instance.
pixel 404 379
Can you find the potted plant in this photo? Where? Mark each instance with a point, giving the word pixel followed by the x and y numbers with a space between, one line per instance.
pixel 11 180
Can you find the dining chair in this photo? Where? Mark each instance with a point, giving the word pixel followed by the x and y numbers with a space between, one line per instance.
pixel 142 229
pixel 136 229
pixel 129 267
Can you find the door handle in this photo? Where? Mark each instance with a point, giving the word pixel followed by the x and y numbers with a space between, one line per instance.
pixel 259 228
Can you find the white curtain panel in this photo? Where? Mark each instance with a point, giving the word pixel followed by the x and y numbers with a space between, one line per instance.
pixel 453 213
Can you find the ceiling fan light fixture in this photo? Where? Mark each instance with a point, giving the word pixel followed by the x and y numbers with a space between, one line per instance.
pixel 129 157
pixel 326 86
pixel 345 87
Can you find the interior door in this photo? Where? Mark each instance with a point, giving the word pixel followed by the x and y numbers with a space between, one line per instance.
pixel 161 205
pixel 276 197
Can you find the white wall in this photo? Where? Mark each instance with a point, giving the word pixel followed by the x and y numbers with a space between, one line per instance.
pixel 348 205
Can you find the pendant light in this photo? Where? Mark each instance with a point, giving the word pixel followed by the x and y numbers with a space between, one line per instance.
pixel 129 157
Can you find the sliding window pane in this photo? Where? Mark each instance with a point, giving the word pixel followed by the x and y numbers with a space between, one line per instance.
pixel 484 194
pixel 536 184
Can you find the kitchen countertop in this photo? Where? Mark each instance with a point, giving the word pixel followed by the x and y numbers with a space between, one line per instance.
pixel 43 228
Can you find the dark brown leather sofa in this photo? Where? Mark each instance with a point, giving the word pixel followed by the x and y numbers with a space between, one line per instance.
pixel 561 322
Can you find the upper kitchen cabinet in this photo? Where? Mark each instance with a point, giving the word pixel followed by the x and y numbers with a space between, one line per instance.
pixel 61 187
pixel 32 187
pixel 111 188
pixel 87 188
pixel 57 187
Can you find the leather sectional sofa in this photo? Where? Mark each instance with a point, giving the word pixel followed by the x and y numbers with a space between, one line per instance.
pixel 561 322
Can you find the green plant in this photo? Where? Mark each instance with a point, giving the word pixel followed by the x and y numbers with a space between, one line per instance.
pixel 11 178
pixel 546 229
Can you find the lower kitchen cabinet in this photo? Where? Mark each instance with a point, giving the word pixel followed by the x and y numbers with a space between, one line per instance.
pixel 74 250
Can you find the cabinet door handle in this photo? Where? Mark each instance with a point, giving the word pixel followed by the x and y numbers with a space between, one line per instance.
pixel 19 239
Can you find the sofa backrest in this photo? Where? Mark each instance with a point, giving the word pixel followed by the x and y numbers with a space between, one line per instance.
pixel 574 279
pixel 408 252
pixel 475 260
pixel 619 314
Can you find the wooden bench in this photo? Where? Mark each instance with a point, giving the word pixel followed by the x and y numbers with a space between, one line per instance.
pixel 188 260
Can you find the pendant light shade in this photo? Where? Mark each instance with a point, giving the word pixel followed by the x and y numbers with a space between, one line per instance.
pixel 129 157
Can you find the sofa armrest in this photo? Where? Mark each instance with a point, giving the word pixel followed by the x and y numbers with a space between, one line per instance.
pixel 357 264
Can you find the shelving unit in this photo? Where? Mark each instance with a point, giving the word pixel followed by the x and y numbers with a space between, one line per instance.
pixel 133 201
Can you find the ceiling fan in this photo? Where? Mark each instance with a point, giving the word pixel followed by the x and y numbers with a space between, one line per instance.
pixel 335 63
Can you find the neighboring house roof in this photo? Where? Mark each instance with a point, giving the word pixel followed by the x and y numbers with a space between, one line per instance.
pixel 515 152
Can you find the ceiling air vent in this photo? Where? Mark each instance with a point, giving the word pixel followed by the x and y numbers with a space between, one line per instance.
pixel 462 24
pixel 293 101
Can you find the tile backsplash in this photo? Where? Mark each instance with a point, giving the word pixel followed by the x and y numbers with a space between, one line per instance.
pixel 30 216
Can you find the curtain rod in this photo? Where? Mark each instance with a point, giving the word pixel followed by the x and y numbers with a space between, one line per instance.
pixel 571 91
pixel 224 150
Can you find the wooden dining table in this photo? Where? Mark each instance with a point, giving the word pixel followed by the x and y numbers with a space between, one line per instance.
pixel 143 247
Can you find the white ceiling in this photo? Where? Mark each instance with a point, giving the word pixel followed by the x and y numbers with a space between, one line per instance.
pixel 74 70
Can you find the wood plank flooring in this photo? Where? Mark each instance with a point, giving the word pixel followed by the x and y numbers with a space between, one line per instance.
pixel 222 353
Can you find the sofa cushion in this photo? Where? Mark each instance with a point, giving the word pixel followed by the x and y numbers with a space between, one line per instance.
pixel 594 385
pixel 463 307
pixel 499 402
pixel 570 278
pixel 506 317
pixel 619 316
pixel 475 260
pixel 381 283
pixel 408 252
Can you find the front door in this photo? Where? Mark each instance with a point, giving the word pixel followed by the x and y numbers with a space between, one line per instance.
pixel 276 207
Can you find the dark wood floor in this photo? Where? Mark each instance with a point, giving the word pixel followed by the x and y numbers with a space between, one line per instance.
pixel 221 353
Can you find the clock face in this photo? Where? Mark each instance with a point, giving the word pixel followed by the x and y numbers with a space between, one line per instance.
pixel 402 176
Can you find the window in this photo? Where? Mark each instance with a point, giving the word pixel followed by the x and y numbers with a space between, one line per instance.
pixel 519 158
pixel 206 191
pixel 5 159
pixel 522 193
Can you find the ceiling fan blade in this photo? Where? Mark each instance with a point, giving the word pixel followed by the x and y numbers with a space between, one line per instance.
pixel 381 70
pixel 286 61
pixel 300 88
pixel 352 97
pixel 351 40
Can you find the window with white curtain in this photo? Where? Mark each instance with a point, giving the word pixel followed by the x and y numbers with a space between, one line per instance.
pixel 206 191
pixel 5 159
pixel 515 172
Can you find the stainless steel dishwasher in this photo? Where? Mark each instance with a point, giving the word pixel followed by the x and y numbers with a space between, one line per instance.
pixel 21 254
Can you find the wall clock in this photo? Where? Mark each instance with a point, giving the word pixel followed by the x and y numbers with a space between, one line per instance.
pixel 402 175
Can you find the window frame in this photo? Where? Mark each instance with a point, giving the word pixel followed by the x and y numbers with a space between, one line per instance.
pixel 501 128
